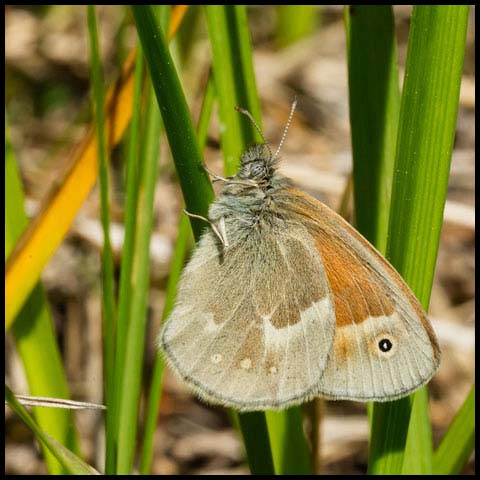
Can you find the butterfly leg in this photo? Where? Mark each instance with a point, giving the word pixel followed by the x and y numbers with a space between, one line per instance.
pixel 221 234
pixel 218 178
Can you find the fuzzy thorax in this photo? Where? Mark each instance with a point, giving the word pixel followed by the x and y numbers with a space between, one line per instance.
pixel 249 195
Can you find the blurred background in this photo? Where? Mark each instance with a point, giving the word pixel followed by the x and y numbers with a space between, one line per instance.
pixel 48 108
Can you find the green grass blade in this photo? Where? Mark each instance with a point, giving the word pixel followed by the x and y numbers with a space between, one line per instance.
pixel 131 180
pixel 374 110
pixel 176 267
pixel 389 424
pixel 255 433
pixel 295 22
pixel 155 393
pixel 425 140
pixel 459 441
pixel 72 464
pixel 33 330
pixel 108 298
pixel 124 291
pixel 196 187
pixel 374 99
pixel 291 454
pixel 427 130
pixel 133 177
pixel 206 113
pixel 140 283
pixel 419 445
pixel 234 80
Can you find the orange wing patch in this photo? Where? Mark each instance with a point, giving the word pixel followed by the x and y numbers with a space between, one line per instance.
pixel 355 293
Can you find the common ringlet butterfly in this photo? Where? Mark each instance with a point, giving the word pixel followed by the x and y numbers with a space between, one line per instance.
pixel 283 301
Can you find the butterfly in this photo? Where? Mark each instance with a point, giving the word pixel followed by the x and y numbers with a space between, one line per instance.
pixel 283 301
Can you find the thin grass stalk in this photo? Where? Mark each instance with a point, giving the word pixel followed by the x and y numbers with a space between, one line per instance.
pixel 154 396
pixel 125 287
pixel 108 297
pixel 134 346
pixel 140 281
pixel 155 392
pixel 33 330
pixel 425 140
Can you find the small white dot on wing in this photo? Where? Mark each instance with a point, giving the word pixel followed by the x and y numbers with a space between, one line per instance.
pixel 216 358
pixel 246 363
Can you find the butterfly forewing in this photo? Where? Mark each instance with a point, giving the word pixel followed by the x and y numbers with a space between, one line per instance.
pixel 243 314
pixel 384 346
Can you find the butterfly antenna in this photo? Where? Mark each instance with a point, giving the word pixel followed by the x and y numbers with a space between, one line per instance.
pixel 287 126
pixel 255 124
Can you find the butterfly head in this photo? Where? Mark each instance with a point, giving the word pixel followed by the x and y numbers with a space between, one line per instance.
pixel 257 164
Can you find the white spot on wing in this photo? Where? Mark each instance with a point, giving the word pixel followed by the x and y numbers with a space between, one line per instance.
pixel 216 358
pixel 246 363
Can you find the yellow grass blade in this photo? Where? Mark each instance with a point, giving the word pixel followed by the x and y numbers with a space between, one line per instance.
pixel 45 233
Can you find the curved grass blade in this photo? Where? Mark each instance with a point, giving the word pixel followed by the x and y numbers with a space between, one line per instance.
pixel 196 187
pixel 130 329
pixel 374 101
pixel 69 461
pixel 43 235
pixel 425 140
pixel 33 330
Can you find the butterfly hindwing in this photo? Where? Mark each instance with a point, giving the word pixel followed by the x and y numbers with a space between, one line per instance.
pixel 253 325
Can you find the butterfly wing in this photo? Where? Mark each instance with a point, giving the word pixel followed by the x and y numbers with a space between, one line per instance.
pixel 384 346
pixel 253 326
